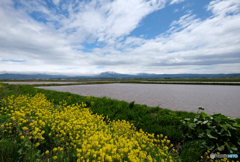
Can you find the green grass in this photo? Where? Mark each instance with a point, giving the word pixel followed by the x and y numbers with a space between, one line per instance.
pixel 201 80
pixel 150 119
pixel 130 80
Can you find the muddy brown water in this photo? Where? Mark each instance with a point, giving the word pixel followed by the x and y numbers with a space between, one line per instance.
pixel 215 98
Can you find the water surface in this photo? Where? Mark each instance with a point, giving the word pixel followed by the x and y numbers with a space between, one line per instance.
pixel 216 98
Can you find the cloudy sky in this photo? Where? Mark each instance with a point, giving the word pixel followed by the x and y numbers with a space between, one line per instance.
pixel 126 36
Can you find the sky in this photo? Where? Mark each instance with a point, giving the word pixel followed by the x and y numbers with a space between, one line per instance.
pixel 85 37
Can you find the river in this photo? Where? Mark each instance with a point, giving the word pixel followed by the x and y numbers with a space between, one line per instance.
pixel 215 98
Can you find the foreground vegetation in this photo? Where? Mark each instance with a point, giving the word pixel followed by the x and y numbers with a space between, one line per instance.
pixel 43 131
pixel 193 136
pixel 218 81
pixel 107 80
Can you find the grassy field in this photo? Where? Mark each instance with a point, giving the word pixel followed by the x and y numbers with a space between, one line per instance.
pixel 201 80
pixel 83 80
pixel 180 127
pixel 223 81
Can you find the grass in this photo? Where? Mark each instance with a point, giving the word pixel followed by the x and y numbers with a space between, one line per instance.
pixel 150 119
pixel 218 81
pixel 201 80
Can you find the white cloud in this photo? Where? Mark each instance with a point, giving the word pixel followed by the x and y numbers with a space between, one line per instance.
pixel 56 2
pixel 221 8
pixel 189 44
pixel 176 1
pixel 176 10
pixel 106 21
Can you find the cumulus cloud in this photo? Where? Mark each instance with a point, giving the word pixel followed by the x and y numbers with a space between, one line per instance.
pixel 52 39
pixel 192 41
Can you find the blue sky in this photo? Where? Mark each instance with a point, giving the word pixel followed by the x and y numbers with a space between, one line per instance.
pixel 78 37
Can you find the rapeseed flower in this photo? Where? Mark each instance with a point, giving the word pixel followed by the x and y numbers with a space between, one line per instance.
pixel 76 128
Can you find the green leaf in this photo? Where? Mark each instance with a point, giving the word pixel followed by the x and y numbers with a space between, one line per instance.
pixel 220 148
pixel 233 147
pixel 191 125
pixel 236 125
pixel 217 120
pixel 199 122
pixel 223 126
pixel 187 119
pixel 210 147
pixel 231 118
pixel 229 148
pixel 27 144
pixel 203 143
pixel 206 121
pixel 20 151
pixel 201 135
pixel 228 133
pixel 229 126
pixel 197 116
pixel 220 131
pixel 189 135
pixel 204 115
pixel 209 134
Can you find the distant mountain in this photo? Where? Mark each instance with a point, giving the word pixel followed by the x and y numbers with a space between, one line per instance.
pixel 108 73
pixel 114 75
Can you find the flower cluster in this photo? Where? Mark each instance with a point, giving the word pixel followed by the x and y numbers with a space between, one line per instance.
pixel 58 129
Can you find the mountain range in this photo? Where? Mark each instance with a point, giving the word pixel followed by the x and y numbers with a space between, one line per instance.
pixel 114 75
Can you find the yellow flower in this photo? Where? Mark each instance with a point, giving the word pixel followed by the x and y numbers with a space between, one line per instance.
pixel 37 144
pixel 22 137
pixel 25 128
pixel 75 125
